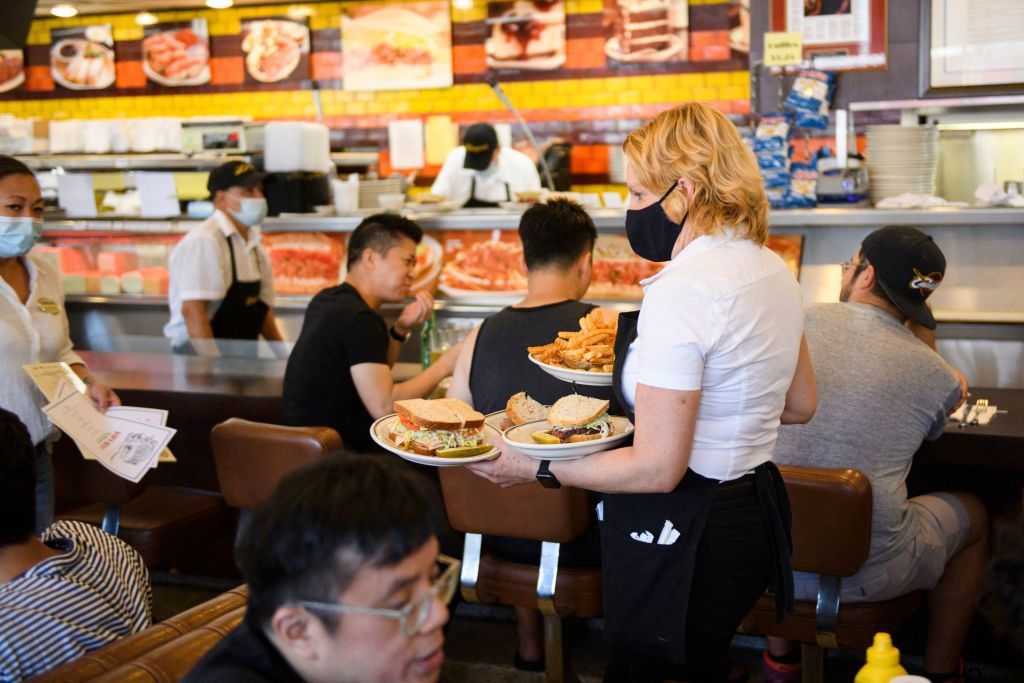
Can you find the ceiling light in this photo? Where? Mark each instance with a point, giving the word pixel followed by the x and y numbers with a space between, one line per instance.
pixel 219 4
pixel 63 11
pixel 145 19
pixel 463 4
pixel 300 12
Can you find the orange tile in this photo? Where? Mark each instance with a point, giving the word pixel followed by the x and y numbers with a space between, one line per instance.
pixel 584 53
pixel 38 78
pixel 325 65
pixel 226 70
pixel 130 75
pixel 469 59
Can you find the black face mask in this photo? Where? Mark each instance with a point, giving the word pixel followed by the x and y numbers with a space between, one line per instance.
pixel 651 233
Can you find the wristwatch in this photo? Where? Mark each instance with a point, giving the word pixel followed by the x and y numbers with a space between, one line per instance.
pixel 546 478
pixel 398 337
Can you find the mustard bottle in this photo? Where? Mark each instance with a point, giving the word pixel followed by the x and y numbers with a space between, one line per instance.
pixel 883 662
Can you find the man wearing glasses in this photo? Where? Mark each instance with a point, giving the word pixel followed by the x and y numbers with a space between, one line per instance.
pixel 345 581
pixel 882 390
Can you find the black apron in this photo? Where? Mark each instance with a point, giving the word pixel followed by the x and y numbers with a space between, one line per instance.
pixel 646 586
pixel 474 203
pixel 241 313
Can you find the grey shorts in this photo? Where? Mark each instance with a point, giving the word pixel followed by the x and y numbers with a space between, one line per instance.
pixel 942 526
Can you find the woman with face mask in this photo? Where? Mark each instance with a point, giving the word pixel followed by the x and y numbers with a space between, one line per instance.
pixel 695 520
pixel 221 284
pixel 33 323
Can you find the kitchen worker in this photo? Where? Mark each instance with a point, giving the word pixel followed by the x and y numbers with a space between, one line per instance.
pixel 482 173
pixel 221 284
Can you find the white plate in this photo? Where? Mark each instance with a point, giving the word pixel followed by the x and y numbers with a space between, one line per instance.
pixel 380 429
pixel 481 296
pixel 584 377
pixel 521 439
pixel 437 207
pixel 613 50
pixel 13 82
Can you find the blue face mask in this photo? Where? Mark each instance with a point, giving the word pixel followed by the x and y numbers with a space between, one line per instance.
pixel 18 234
pixel 251 211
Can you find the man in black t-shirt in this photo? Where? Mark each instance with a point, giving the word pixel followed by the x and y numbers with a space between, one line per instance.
pixel 339 373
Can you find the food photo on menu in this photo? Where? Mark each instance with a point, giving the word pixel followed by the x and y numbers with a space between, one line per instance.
pixel 481 266
pixel 396 47
pixel 275 48
pixel 646 31
pixel 12 69
pixel 82 58
pixel 303 263
pixel 177 54
pixel 526 34
pixel 617 270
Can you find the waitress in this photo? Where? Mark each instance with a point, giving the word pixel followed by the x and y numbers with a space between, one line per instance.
pixel 221 284
pixel 696 524
pixel 482 173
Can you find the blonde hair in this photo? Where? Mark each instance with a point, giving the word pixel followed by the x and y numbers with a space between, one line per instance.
pixel 697 143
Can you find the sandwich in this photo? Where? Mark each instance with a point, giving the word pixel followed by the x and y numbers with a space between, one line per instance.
pixel 521 409
pixel 576 418
pixel 444 427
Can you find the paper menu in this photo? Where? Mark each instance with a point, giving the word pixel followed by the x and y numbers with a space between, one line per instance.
pixel 75 195
pixel 405 141
pixel 49 376
pixel 158 194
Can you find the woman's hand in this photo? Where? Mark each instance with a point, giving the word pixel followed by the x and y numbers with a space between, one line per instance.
pixel 102 395
pixel 508 469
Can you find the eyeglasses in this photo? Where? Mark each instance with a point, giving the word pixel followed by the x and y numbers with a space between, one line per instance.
pixel 850 263
pixel 413 614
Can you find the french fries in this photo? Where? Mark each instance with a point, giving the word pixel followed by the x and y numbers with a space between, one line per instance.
pixel 590 348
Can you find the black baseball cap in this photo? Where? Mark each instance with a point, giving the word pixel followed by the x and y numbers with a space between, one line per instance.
pixel 909 267
pixel 480 141
pixel 233 174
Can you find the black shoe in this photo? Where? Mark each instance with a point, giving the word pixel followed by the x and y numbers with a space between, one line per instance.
pixel 528 664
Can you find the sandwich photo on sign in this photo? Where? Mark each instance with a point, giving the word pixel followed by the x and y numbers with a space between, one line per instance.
pixel 177 54
pixel 275 49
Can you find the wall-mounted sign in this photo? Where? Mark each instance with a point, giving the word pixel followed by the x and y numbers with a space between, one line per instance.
pixel 838 35
pixel 276 49
pixel 647 31
pixel 783 49
pixel 527 35
pixel 12 69
pixel 82 58
pixel 177 54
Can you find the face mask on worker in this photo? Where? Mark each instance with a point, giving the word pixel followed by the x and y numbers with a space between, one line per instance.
pixel 18 234
pixel 651 233
pixel 251 211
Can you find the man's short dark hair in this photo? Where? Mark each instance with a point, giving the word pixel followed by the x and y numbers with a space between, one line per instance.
pixel 556 234
pixel 17 481
pixel 326 522
pixel 380 232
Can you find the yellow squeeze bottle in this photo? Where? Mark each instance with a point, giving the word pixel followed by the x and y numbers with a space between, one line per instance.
pixel 883 662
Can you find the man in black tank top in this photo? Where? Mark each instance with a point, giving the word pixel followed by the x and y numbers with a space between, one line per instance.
pixel 558 240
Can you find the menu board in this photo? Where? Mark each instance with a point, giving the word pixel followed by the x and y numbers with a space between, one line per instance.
pixel 481 265
pixel 405 46
pixel 82 58
pixel 177 54
pixel 617 270
pixel 12 69
pixel 305 262
pixel 526 35
pixel 646 31
pixel 276 49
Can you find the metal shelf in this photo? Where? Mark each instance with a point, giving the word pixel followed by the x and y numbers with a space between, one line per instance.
pixel 128 162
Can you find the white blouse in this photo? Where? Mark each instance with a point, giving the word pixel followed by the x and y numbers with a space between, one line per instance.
pixel 33 332
pixel 725 317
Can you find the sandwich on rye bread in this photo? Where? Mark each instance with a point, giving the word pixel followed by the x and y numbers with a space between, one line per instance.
pixel 444 427
pixel 576 418
pixel 521 409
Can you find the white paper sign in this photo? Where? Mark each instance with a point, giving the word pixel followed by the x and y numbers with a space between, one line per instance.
pixel 75 195
pixel 158 195
pixel 405 143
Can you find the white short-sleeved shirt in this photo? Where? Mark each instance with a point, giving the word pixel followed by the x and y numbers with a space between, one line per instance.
pixel 200 269
pixel 33 332
pixel 724 316
pixel 514 168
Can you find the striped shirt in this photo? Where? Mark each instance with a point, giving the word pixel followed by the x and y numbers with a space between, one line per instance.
pixel 94 592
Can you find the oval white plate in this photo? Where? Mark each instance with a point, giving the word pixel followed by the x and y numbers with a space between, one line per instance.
pixel 584 377
pixel 521 439
pixel 380 429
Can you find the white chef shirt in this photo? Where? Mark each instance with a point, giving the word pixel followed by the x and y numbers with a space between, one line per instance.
pixel 724 316
pixel 200 269
pixel 30 335
pixel 512 167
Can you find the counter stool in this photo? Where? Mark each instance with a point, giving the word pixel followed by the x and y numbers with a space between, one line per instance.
pixel 831 538
pixel 477 508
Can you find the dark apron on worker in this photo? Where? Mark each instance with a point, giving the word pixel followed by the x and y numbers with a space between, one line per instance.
pixel 241 313
pixel 647 585
pixel 474 203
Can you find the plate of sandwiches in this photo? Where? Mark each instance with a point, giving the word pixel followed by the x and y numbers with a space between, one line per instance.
pixel 443 432
pixel 519 410
pixel 574 426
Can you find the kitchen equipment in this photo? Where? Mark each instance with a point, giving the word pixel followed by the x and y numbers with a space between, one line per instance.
pixel 847 186
pixel 227 136
pixel 1013 187
pixel 296 192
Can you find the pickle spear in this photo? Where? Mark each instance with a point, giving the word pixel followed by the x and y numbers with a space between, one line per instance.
pixel 463 451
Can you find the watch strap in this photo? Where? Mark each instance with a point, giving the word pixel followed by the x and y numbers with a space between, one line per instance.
pixel 398 337
pixel 546 477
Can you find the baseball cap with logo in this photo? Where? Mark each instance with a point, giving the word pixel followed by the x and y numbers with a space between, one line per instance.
pixel 233 174
pixel 909 267
pixel 480 141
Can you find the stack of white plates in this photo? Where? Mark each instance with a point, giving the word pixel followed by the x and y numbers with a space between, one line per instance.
pixel 901 159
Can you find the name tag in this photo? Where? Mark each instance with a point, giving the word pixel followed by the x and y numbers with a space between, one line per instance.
pixel 48 306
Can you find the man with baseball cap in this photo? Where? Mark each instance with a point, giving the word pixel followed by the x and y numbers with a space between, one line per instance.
pixel 482 173
pixel 882 390
pixel 221 285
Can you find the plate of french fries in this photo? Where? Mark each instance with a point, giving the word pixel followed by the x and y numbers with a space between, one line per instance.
pixel 585 356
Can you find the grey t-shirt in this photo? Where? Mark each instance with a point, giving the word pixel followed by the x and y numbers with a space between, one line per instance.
pixel 881 392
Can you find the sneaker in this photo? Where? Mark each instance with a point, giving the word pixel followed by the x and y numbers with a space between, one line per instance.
pixel 778 672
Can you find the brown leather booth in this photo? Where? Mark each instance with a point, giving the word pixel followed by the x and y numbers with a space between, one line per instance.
pixel 479 508
pixel 831 538
pixel 164 652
